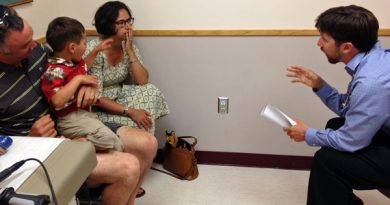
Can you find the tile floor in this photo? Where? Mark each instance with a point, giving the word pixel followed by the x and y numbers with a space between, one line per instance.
pixel 229 185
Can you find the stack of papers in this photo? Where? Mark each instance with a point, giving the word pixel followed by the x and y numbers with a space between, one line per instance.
pixel 275 115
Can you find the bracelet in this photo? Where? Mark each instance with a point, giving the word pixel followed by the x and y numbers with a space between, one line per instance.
pixel 136 60
pixel 125 111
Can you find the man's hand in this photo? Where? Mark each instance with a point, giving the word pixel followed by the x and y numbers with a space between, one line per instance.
pixel 297 132
pixel 2 150
pixel 305 76
pixel 43 127
pixel 87 96
pixel 89 80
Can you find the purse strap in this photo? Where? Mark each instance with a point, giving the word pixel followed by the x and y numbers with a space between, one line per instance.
pixel 190 137
pixel 169 173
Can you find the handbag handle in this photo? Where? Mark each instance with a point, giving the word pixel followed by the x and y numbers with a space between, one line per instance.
pixel 169 173
pixel 190 137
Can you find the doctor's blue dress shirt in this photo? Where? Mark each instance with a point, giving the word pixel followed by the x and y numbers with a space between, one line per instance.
pixel 365 106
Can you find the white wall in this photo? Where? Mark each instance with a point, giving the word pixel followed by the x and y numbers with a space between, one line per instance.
pixel 193 71
pixel 225 14
pixel 39 13
pixel 198 14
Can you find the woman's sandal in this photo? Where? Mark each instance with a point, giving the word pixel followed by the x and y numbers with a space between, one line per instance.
pixel 141 192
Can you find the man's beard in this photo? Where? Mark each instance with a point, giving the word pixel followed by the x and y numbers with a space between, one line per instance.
pixel 333 60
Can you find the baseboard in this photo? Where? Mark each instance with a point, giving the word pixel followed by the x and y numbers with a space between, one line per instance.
pixel 249 160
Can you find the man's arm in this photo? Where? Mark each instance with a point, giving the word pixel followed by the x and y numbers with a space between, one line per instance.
pixel 87 96
pixel 366 115
pixel 68 91
pixel 367 111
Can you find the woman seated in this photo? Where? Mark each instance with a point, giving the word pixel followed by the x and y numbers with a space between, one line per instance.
pixel 126 96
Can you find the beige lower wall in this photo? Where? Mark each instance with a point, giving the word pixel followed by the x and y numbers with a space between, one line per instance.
pixel 193 72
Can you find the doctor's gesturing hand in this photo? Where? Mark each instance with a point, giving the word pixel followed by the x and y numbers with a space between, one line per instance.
pixel 305 76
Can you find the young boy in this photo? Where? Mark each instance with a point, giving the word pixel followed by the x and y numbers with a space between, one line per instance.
pixel 66 71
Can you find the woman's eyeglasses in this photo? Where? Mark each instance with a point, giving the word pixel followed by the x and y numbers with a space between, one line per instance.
pixel 3 21
pixel 123 22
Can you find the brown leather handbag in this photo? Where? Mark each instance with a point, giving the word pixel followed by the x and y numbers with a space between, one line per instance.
pixel 179 156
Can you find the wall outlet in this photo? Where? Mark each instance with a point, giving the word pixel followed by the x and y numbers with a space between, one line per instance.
pixel 223 105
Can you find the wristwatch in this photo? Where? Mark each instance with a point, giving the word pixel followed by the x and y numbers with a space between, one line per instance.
pixel 125 111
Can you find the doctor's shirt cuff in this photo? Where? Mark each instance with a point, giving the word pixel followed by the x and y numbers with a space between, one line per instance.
pixel 311 138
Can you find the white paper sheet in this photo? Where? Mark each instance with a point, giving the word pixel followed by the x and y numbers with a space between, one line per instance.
pixel 275 115
pixel 24 148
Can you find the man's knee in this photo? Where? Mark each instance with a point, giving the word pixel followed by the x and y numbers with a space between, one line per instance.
pixel 323 156
pixel 328 158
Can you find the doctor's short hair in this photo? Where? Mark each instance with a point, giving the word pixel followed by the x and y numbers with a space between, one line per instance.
pixel 351 23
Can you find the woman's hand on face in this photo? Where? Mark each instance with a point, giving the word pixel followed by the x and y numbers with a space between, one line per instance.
pixel 142 118
pixel 129 40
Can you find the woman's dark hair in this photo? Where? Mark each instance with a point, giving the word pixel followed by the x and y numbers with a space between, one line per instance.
pixel 9 20
pixel 63 30
pixel 106 16
pixel 352 23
